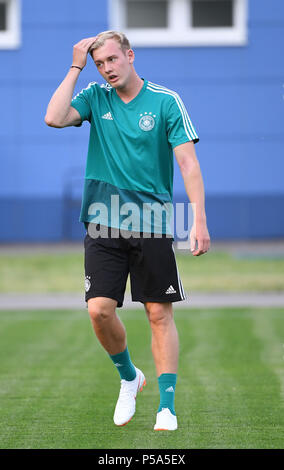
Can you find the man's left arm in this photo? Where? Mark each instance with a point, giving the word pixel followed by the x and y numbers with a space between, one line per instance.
pixel 193 182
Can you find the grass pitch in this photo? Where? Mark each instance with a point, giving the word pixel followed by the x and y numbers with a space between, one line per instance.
pixel 213 272
pixel 58 387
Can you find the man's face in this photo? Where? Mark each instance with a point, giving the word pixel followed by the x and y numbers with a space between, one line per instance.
pixel 113 64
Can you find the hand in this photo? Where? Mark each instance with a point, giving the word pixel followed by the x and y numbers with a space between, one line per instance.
pixel 199 234
pixel 80 51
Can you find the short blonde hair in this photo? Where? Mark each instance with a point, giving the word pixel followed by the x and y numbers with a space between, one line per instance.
pixel 104 35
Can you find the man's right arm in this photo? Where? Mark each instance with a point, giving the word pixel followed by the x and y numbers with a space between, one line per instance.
pixel 59 112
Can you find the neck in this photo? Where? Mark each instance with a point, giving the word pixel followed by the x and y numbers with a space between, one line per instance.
pixel 131 90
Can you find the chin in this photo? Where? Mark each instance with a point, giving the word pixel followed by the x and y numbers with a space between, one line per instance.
pixel 119 85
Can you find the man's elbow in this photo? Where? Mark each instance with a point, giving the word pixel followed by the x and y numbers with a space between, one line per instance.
pixel 189 166
pixel 51 122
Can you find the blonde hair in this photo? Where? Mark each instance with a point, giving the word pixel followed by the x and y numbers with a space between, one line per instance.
pixel 104 35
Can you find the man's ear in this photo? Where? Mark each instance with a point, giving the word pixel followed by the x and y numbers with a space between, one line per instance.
pixel 131 56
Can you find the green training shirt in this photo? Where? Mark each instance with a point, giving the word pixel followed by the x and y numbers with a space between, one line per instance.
pixel 130 155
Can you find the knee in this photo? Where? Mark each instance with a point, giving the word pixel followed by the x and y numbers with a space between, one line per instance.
pixel 100 309
pixel 159 313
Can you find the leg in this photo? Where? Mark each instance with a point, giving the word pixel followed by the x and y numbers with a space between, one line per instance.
pixel 165 348
pixel 108 327
pixel 106 271
pixel 111 333
pixel 165 344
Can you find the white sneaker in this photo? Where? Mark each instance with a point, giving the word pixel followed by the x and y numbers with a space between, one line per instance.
pixel 126 403
pixel 165 421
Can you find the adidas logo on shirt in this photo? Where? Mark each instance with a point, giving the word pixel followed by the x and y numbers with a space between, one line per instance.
pixel 108 116
pixel 170 389
pixel 171 290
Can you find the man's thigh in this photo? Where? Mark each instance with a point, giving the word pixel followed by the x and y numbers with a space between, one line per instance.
pixel 106 269
pixel 154 274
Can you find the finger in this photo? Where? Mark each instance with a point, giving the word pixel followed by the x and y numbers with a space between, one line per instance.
pixel 202 247
pixel 86 43
pixel 199 252
pixel 207 246
pixel 91 45
pixel 192 244
pixel 88 40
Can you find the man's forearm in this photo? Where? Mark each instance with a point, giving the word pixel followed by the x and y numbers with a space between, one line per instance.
pixel 194 187
pixel 59 104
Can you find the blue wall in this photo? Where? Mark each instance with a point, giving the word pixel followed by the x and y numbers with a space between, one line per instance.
pixel 234 96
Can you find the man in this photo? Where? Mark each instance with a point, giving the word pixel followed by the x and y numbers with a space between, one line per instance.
pixel 135 126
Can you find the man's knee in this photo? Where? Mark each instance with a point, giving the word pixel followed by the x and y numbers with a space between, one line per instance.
pixel 101 309
pixel 159 313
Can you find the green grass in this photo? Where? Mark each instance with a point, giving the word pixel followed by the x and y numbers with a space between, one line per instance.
pixel 224 272
pixel 58 387
pixel 42 273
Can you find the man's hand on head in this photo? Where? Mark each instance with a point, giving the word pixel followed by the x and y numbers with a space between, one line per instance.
pixel 80 51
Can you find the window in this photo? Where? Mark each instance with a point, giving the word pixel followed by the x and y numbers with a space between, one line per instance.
pixel 208 14
pixel 155 15
pixel 9 24
pixel 181 22
pixel 3 19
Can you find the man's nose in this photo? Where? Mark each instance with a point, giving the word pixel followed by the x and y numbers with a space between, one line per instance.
pixel 107 68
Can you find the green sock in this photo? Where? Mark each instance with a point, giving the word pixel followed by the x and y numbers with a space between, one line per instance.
pixel 167 386
pixel 124 365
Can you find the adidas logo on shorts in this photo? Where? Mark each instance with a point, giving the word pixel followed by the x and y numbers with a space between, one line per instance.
pixel 171 290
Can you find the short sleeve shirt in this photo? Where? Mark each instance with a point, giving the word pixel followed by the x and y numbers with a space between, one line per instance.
pixel 130 154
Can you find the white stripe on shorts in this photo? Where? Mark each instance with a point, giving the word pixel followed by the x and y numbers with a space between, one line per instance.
pixel 181 290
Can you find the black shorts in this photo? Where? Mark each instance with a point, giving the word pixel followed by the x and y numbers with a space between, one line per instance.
pixel 150 262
